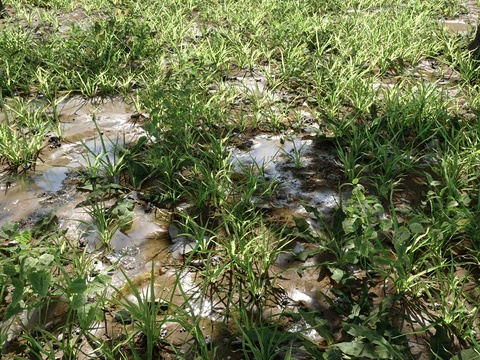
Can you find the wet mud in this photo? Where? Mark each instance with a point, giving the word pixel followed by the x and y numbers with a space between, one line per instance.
pixel 305 170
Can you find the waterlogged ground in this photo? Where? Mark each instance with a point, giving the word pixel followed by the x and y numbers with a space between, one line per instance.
pixel 152 239
pixel 305 170
pixel 152 261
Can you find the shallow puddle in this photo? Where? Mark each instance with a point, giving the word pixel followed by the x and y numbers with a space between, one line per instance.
pixel 293 164
pixel 458 26
pixel 21 198
pixel 52 178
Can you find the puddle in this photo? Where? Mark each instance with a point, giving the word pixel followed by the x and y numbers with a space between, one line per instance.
pixel 248 83
pixel 292 163
pixel 19 200
pixel 458 26
pixel 51 180
pixel 269 151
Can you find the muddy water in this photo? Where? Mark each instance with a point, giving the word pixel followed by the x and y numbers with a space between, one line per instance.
pixel 22 198
pixel 458 26
pixel 152 242
pixel 301 170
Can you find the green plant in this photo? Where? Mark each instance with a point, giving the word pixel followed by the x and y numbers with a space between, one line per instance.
pixel 22 136
pixel 47 298
pixel 144 312
pixel 103 162
pixel 350 155
pixel 107 220
pixel 295 154
pixel 372 336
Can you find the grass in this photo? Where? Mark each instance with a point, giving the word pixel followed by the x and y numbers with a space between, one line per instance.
pixel 386 87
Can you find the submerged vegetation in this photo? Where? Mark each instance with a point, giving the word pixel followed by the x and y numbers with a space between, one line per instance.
pixel 387 95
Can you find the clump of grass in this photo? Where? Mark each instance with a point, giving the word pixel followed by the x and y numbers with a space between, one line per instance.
pixel 22 136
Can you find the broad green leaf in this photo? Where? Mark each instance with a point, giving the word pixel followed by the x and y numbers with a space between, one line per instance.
pixel 46 259
pixel 98 284
pixel 467 354
pixel 9 270
pixel 12 310
pixel 377 346
pixel 355 312
pixel 416 228
pixel 461 223
pixel 385 224
pixel 401 235
pixel 381 309
pixel 77 286
pixel 88 187
pixel 17 295
pixel 452 204
pixel 382 351
pixel 465 199
pixel 358 349
pixel 337 274
pixel 440 343
pixel 351 257
pixel 378 208
pixel 350 225
pixel 15 307
pixel 40 281
pixel 332 354
pixel 123 212
pixel 78 300
pixel 10 231
pixel 301 224
pixel 30 263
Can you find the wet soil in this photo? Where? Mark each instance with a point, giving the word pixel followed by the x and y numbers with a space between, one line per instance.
pixel 152 240
pixel 306 170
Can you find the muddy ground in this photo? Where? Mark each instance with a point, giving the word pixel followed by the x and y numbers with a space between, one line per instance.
pixel 153 238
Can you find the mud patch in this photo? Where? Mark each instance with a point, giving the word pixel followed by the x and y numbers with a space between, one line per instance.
pixel 305 170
